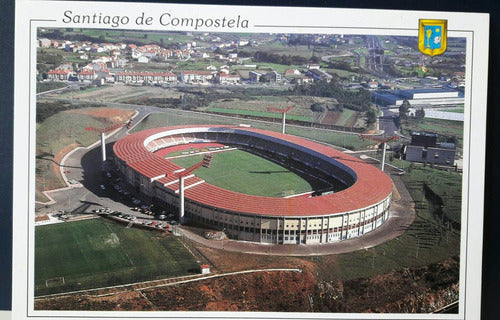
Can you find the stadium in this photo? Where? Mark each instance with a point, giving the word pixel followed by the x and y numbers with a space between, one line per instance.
pixel 347 197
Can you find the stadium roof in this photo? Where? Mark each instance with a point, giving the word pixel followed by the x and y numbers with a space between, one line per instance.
pixel 371 186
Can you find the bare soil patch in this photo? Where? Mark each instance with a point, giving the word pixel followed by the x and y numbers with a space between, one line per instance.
pixel 331 117
pixel 110 115
pixel 130 300
pixel 409 290
pixel 246 292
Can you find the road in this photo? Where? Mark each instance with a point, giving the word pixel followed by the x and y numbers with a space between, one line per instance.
pixel 386 122
pixel 85 166
pixel 375 58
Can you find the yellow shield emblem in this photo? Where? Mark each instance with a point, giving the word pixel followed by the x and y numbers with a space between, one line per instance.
pixel 432 36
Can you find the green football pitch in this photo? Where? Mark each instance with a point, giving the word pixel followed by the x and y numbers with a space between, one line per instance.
pixel 97 253
pixel 247 173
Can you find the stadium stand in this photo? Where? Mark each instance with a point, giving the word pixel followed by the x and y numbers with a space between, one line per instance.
pixel 354 199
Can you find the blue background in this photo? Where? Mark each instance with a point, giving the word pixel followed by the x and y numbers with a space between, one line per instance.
pixel 435 31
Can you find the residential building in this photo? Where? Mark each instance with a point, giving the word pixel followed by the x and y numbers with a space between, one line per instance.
pixel 146 77
pixel 254 76
pixel 59 74
pixel 44 43
pixel 301 80
pixel 143 59
pixel 199 77
pixel 313 66
pixel 273 76
pixel 319 75
pixel 87 75
pixel 292 73
pixel 224 78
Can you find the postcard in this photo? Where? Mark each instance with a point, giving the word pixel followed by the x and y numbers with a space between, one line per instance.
pixel 201 161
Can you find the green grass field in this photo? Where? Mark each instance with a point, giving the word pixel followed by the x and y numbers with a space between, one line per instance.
pixel 454 110
pixel 243 172
pixel 439 126
pixel 447 186
pixel 47 86
pixel 257 114
pixel 427 240
pixel 347 118
pixel 345 140
pixel 52 135
pixel 97 253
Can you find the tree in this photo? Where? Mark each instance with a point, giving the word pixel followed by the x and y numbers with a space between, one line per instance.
pixel 318 107
pixel 371 116
pixel 404 109
pixel 419 113
pixel 314 59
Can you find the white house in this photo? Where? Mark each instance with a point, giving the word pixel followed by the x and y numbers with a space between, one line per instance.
pixel 224 78
pixel 196 76
pixel 143 59
pixel 87 75
pixel 59 75
pixel 145 77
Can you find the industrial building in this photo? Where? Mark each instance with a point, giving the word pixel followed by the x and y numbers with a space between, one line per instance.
pixel 425 148
pixel 419 97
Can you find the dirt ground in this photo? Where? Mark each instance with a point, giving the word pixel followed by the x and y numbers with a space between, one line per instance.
pixel 106 115
pixel 238 293
pixel 130 300
pixel 411 290
pixel 230 261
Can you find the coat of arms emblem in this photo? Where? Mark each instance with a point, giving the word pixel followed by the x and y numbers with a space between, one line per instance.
pixel 432 36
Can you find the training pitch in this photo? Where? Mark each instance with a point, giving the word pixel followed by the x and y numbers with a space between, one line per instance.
pixel 97 253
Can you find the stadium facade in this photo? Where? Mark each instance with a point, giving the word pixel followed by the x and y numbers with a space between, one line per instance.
pixel 360 205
